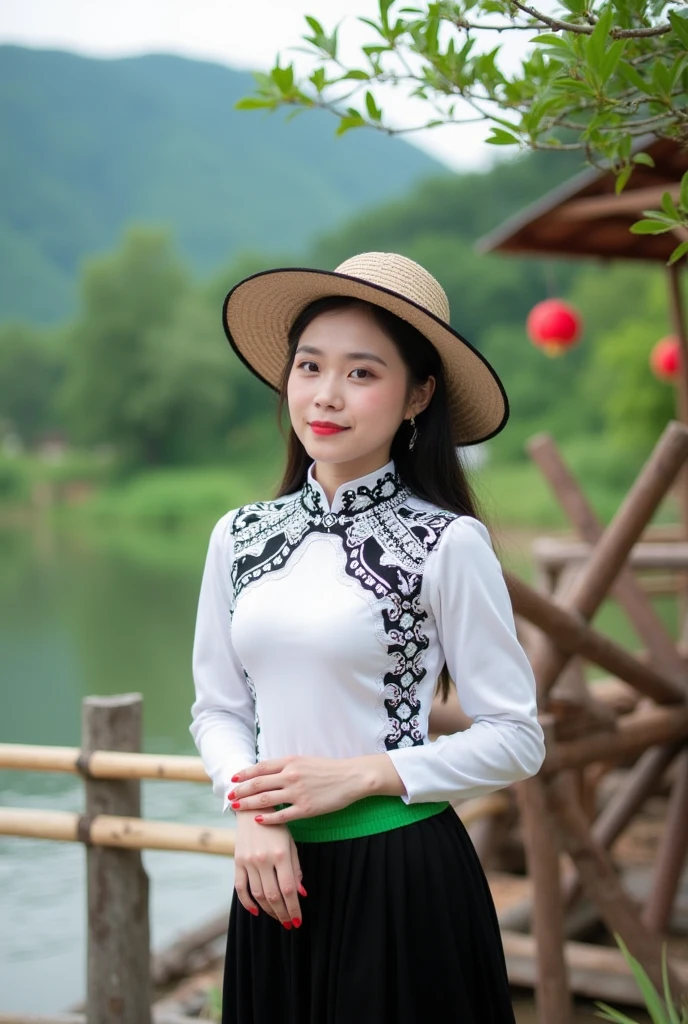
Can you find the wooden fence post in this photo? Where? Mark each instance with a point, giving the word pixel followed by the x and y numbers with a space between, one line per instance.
pixel 553 996
pixel 118 951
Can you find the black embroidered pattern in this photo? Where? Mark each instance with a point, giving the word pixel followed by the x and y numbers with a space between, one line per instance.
pixel 386 543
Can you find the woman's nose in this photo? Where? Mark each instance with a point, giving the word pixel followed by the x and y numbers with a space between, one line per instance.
pixel 329 394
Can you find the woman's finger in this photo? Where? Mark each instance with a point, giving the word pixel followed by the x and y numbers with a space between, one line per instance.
pixel 288 883
pixel 255 885
pixel 270 767
pixel 272 894
pixel 290 813
pixel 296 868
pixel 243 892
pixel 260 801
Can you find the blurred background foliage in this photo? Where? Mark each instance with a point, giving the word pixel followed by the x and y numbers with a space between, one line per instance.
pixel 137 383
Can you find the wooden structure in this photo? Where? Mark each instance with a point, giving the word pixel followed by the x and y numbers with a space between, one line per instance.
pixel 567 836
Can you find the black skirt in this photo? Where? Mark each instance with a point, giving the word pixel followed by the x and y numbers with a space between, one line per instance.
pixel 397 927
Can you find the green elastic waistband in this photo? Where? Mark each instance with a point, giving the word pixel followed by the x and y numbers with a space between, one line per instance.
pixel 365 817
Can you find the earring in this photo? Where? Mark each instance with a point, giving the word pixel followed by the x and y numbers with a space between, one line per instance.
pixel 414 435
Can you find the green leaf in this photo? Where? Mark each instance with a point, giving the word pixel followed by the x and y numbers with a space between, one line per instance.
pixel 374 112
pixel 552 40
pixel 622 180
pixel 315 25
pixel 684 192
pixel 572 85
pixel 669 206
pixel 649 993
pixel 347 123
pixel 255 103
pixel 594 50
pixel 661 80
pixel 613 1015
pixel 357 75
pixel 283 78
pixel 611 59
pixel 650 227
pixel 500 137
pixel 634 79
pixel 679 24
pixel 673 1016
pixel 643 158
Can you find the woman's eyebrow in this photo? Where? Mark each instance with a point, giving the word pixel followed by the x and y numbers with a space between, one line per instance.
pixel 311 350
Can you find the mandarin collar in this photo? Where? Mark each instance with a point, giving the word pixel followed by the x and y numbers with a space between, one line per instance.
pixel 354 496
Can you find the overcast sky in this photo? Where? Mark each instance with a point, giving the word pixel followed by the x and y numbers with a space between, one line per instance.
pixel 241 33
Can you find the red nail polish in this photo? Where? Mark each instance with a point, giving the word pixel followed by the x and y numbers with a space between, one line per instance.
pixel 296 921
pixel 301 891
pixel 235 778
pixel 236 805
pixel 260 819
pixel 232 795
pixel 287 925
pixel 254 911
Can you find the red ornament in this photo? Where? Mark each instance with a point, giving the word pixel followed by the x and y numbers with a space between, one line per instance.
pixel 665 358
pixel 554 326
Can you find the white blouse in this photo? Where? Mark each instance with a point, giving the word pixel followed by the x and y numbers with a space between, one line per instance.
pixel 322 629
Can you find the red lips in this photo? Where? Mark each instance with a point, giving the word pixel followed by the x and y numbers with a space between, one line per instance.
pixel 325 427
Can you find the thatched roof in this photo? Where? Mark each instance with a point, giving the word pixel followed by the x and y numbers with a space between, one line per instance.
pixel 585 217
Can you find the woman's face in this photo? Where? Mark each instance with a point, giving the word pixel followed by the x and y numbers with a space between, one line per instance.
pixel 348 374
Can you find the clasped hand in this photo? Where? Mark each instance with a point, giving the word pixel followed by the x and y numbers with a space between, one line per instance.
pixel 310 785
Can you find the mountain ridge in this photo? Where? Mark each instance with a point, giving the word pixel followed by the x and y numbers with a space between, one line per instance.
pixel 93 145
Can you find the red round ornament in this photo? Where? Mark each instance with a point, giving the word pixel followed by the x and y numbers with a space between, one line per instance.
pixel 665 358
pixel 554 326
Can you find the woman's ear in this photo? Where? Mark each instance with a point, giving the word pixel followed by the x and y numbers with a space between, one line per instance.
pixel 420 397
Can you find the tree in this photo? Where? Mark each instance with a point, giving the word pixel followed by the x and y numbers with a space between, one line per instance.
pixel 146 366
pixel 30 369
pixel 601 75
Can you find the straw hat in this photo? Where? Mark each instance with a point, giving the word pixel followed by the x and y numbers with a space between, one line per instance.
pixel 259 312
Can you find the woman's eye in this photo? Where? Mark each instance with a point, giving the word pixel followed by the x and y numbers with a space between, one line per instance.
pixel 361 369
pixel 308 366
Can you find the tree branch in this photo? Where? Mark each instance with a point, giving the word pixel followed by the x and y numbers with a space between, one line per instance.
pixel 587 30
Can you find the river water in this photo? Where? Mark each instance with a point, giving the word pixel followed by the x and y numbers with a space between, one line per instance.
pixel 100 614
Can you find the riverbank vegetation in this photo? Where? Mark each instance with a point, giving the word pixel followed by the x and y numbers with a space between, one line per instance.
pixel 137 409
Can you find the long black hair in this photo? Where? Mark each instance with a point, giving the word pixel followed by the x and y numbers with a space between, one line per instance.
pixel 432 470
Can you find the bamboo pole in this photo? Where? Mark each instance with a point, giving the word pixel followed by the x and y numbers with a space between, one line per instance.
pixel 118 980
pixel 609 824
pixel 555 553
pixel 612 550
pixel 102 764
pixel 681 331
pixel 628 592
pixel 671 856
pixel 596 972
pixel 634 732
pixel 599 879
pixel 572 635
pixel 159 1017
pixel 553 997
pixel 115 831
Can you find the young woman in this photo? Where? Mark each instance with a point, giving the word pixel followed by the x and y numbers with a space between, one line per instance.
pixel 328 618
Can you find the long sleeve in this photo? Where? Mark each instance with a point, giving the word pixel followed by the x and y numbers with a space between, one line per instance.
pixel 465 589
pixel 223 712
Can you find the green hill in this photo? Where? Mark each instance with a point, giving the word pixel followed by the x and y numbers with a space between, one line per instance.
pixel 92 145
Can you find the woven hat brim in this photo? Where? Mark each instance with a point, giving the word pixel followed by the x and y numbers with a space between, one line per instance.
pixel 259 312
